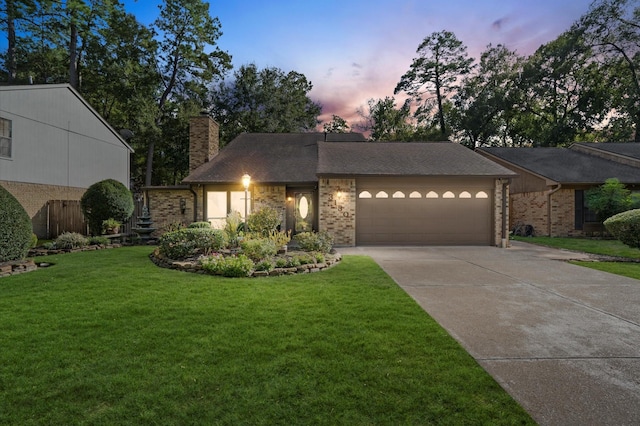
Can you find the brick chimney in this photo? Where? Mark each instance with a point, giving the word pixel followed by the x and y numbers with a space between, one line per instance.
pixel 204 140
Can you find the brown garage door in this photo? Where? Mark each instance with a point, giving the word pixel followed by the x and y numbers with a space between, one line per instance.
pixel 397 211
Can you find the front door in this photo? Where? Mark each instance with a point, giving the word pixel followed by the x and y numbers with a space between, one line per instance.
pixel 301 210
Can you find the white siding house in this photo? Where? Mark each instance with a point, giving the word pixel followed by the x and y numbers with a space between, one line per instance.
pixel 54 145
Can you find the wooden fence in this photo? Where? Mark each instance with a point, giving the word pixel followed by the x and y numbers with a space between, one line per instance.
pixel 66 216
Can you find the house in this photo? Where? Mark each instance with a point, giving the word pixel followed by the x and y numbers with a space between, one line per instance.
pixel 549 191
pixel 53 146
pixel 362 193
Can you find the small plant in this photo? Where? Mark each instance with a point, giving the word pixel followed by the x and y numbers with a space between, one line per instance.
pixel 293 262
pixel 625 227
pixel 319 257
pixel 34 240
pixel 99 241
pixel 71 240
pixel 205 225
pixel 280 238
pixel 258 249
pixel 281 262
pixel 173 226
pixel 231 266
pixel 233 228
pixel 264 221
pixel 188 242
pixel 306 259
pixel 264 265
pixel 110 226
pixel 314 241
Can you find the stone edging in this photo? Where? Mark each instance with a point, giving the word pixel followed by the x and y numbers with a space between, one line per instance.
pixel 193 266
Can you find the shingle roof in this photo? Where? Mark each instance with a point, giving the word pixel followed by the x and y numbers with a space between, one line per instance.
pixel 404 159
pixel 627 149
pixel 565 165
pixel 302 157
pixel 268 158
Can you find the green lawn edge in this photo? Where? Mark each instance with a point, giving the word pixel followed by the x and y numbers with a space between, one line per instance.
pixel 106 337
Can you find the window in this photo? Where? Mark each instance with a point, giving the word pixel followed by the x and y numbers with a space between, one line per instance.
pixel 582 213
pixel 221 203
pixel 364 194
pixel 5 138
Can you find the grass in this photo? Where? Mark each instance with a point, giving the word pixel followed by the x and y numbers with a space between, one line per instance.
pixel 106 337
pixel 596 246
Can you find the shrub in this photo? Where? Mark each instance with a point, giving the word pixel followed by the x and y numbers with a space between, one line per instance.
pixel 205 225
pixel 264 221
pixel 306 259
pixel 15 228
pixel 314 241
pixel 99 241
pixel 625 227
pixel 173 226
pixel 281 262
pixel 280 238
pixel 231 266
pixel 106 199
pixel 319 257
pixel 110 226
pixel 71 240
pixel 264 265
pixel 258 249
pixel 34 240
pixel 610 198
pixel 188 242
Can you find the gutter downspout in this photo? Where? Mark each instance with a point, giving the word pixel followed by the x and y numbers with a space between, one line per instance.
pixel 504 236
pixel 549 194
pixel 195 203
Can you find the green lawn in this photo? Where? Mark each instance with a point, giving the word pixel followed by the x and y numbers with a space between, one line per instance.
pixel 108 338
pixel 595 246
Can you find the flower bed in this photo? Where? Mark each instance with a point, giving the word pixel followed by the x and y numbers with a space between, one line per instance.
pixel 196 266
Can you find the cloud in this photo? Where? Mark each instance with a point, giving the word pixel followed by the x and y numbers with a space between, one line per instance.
pixel 498 23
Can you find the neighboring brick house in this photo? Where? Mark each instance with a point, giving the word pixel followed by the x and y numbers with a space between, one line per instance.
pixel 360 192
pixel 549 192
pixel 53 146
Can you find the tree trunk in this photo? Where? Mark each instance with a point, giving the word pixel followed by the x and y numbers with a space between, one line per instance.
pixel 149 171
pixel 73 55
pixel 443 129
pixel 11 39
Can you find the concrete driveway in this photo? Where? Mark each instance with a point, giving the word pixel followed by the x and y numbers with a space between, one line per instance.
pixel 563 340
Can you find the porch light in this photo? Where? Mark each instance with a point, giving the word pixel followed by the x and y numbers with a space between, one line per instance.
pixel 246 180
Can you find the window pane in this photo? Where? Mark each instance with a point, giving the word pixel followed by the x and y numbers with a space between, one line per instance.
pixel 5 137
pixel 217 208
pixel 237 202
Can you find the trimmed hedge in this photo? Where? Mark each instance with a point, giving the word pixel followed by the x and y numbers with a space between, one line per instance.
pixel 15 228
pixel 187 242
pixel 107 199
pixel 625 227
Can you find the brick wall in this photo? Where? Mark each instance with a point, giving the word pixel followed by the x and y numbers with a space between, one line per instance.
pixel 271 196
pixel 165 207
pixel 533 209
pixel 204 140
pixel 497 213
pixel 563 214
pixel 34 197
pixel 337 198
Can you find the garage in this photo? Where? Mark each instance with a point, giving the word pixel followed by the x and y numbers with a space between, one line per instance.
pixel 424 211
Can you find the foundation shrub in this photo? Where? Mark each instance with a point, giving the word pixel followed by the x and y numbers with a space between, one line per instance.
pixel 232 229
pixel 258 249
pixel 314 241
pixel 15 228
pixel 264 221
pixel 205 225
pixel 188 242
pixel 107 199
pixel 625 227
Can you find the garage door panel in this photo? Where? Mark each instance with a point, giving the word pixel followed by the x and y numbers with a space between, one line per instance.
pixel 424 220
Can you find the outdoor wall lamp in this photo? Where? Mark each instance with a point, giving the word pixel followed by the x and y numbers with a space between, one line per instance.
pixel 183 205
pixel 246 180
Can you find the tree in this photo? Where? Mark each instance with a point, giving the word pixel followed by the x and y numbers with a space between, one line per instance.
pixel 442 60
pixel 610 198
pixel 564 93
pixel 336 125
pixel 612 29
pixel 484 106
pixel 107 199
pixel 267 100
pixel 184 64
pixel 385 122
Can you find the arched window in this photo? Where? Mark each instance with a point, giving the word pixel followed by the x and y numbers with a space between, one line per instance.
pixel 448 194
pixel 398 194
pixel 432 194
pixel 364 194
pixel 382 194
pixel 464 194
pixel 415 194
pixel 482 194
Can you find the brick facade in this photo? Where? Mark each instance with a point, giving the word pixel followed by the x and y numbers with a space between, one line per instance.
pixel 337 210
pixel 532 208
pixel 34 198
pixel 170 205
pixel 273 197
pixel 204 140
pixel 498 214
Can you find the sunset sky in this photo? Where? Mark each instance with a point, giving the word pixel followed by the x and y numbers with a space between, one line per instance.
pixel 354 50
